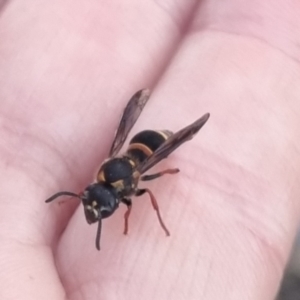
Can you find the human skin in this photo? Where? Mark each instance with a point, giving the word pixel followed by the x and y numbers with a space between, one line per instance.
pixel 68 68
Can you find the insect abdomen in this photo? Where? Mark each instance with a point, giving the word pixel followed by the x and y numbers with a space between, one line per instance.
pixel 144 143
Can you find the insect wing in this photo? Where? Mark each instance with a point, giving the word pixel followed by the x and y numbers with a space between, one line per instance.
pixel 129 117
pixel 172 143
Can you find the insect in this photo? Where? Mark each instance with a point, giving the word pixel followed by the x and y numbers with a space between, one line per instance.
pixel 118 177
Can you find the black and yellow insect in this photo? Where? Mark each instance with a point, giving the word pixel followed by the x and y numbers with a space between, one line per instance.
pixel 118 177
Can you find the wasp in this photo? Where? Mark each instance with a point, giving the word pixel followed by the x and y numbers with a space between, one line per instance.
pixel 118 177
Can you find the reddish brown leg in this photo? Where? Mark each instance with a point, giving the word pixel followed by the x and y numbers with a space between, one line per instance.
pixel 128 203
pixel 155 206
pixel 153 176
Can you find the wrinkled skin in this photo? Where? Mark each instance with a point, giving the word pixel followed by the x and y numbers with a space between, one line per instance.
pixel 67 69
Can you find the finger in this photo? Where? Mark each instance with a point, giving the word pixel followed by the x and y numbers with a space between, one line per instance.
pixel 65 67
pixel 67 125
pixel 235 211
pixel 275 23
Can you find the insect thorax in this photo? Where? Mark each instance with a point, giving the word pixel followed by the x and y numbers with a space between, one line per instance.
pixel 118 173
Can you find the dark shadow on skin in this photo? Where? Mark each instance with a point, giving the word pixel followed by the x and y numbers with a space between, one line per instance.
pixel 290 285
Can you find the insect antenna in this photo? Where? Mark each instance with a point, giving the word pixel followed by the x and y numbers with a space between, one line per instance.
pixel 62 194
pixel 98 234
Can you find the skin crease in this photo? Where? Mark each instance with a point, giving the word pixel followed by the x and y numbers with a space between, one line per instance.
pixel 67 69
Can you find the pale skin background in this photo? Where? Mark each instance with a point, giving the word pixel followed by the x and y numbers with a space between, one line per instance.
pixel 67 69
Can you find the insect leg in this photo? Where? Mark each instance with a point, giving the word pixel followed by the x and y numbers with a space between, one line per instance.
pixel 155 206
pixel 154 176
pixel 128 203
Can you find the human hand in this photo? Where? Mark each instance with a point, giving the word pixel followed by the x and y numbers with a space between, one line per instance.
pixel 67 71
